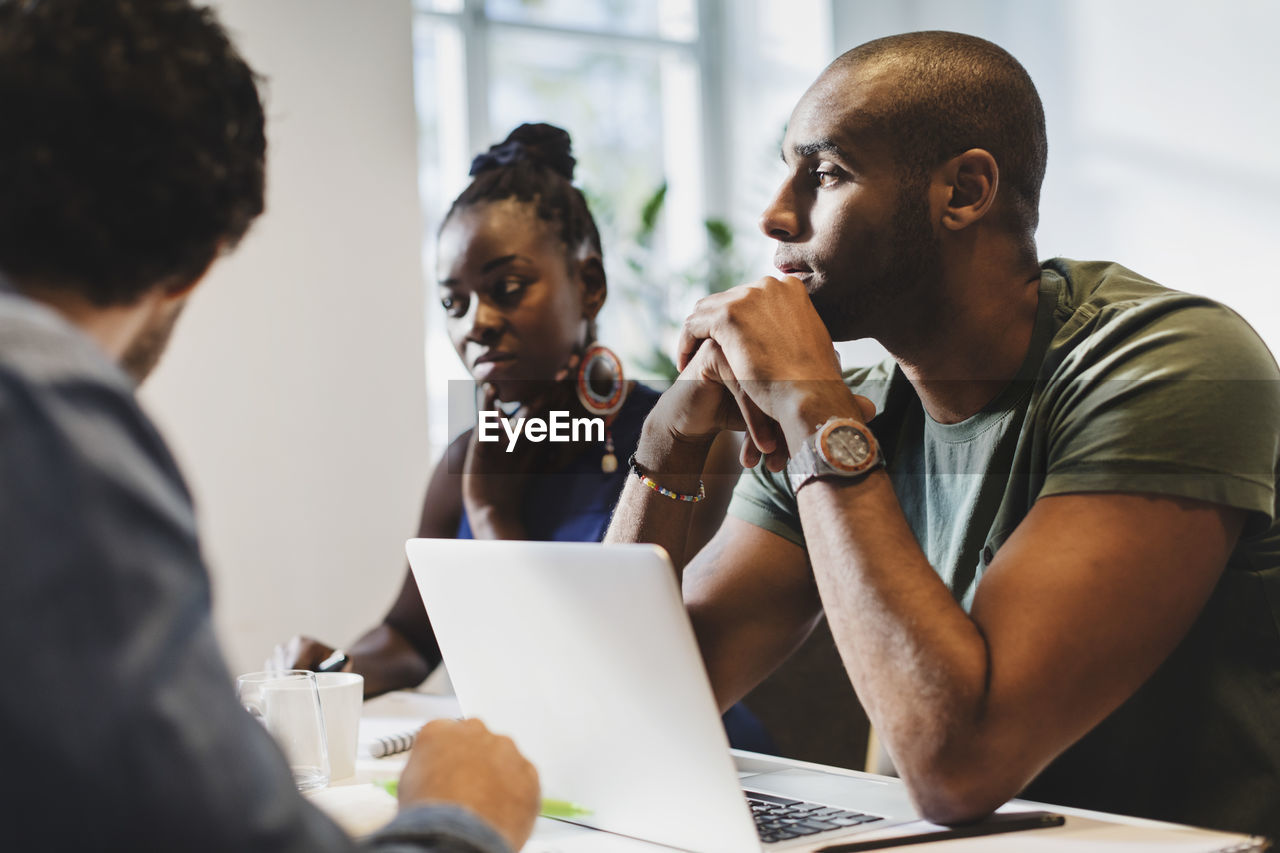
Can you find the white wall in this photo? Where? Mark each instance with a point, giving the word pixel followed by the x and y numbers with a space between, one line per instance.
pixel 1162 120
pixel 293 393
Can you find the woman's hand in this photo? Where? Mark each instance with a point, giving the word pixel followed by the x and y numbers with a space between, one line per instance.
pixel 495 474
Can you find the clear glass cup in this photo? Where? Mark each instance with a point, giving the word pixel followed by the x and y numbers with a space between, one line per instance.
pixel 287 703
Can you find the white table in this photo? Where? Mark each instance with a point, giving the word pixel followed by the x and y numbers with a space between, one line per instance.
pixel 360 805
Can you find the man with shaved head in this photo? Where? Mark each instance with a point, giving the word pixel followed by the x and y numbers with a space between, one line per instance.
pixel 1044 531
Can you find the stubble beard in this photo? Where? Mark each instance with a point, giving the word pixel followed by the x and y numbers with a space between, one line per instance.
pixel 144 352
pixel 886 302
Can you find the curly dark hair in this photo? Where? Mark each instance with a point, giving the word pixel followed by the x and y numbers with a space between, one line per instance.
pixel 534 164
pixel 132 145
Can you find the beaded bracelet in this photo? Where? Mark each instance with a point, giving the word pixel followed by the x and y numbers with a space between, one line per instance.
pixel 663 490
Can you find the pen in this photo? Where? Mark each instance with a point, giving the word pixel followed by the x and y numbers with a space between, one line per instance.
pixel 997 823
pixel 334 662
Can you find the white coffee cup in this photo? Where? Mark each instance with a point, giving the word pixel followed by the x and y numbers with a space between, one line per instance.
pixel 287 704
pixel 341 698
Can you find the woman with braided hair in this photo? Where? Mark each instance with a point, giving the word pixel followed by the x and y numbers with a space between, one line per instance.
pixel 521 281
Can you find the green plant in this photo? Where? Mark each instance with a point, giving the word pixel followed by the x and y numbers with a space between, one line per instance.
pixel 662 295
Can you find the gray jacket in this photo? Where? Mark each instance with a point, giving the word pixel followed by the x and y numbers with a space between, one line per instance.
pixel 119 726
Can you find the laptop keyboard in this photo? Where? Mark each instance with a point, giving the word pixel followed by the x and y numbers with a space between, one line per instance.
pixel 780 819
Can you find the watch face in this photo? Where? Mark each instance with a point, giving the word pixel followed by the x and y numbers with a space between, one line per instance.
pixel 846 447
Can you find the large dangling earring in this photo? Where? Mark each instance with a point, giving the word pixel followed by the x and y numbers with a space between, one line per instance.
pixel 601 390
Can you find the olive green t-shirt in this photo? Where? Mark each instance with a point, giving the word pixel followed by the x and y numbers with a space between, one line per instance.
pixel 1127 387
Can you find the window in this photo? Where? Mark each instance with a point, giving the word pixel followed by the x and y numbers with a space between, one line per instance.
pixel 691 95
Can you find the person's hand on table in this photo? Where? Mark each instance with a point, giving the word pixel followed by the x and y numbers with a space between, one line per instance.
pixel 462 762
pixel 301 652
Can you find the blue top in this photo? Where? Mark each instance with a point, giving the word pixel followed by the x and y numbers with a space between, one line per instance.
pixel 575 503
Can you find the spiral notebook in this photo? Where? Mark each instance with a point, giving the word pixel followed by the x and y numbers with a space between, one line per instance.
pixel 401 741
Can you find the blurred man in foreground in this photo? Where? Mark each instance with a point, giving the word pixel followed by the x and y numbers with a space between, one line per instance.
pixel 132 155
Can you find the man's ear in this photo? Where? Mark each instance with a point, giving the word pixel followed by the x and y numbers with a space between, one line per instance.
pixel 594 286
pixel 973 178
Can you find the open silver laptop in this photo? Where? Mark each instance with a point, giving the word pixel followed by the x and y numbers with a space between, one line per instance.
pixel 584 655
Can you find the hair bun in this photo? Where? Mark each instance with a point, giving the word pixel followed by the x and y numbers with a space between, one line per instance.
pixel 541 144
